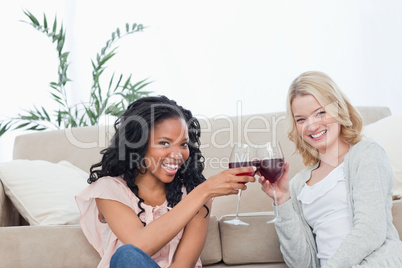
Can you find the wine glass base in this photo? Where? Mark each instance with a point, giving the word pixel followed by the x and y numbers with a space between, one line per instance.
pixel 236 222
pixel 273 221
pixel 276 220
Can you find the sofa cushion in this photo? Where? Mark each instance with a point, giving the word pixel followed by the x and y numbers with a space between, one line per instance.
pixel 397 216
pixel 260 236
pixel 46 247
pixel 43 192
pixel 212 252
pixel 387 132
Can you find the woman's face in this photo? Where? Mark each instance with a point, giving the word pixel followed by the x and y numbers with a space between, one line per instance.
pixel 314 125
pixel 167 149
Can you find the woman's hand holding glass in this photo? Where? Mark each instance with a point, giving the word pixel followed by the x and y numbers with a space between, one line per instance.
pixel 242 156
pixel 282 186
pixel 228 182
pixel 271 168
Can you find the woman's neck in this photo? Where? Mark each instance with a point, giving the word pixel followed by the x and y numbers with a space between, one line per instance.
pixel 152 191
pixel 334 156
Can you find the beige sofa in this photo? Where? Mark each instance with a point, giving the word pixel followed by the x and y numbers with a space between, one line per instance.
pixel 235 246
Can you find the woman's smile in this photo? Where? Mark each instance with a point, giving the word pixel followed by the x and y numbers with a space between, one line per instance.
pixel 319 135
pixel 171 168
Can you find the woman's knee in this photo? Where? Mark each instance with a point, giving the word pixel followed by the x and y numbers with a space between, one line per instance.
pixel 130 256
pixel 125 251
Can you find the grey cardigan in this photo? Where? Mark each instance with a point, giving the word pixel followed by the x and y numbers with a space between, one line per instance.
pixel 373 240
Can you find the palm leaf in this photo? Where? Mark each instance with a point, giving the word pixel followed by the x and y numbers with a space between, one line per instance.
pixel 100 102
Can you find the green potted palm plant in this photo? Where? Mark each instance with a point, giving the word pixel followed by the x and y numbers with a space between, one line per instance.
pixel 111 99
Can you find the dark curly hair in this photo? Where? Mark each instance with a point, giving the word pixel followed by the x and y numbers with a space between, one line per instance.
pixel 125 155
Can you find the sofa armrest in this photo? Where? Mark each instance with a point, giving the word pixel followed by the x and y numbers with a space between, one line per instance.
pixel 212 252
pixel 9 215
pixel 397 215
pixel 46 247
pixel 259 236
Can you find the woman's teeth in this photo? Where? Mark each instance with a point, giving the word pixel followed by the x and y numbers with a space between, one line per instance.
pixel 318 134
pixel 171 166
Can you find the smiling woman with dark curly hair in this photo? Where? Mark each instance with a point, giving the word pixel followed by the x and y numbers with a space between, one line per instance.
pixel 148 202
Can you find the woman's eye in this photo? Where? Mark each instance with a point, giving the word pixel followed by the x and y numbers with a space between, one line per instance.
pixel 185 144
pixel 321 113
pixel 164 143
pixel 299 120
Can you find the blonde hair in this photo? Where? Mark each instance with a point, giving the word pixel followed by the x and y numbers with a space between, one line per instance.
pixel 334 102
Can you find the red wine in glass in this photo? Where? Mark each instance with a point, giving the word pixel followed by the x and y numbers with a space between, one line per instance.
pixel 255 163
pixel 271 169
pixel 242 156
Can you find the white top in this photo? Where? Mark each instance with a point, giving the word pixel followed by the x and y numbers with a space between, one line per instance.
pixel 325 209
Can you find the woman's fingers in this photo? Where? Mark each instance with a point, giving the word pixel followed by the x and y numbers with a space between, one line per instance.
pixel 230 180
pixel 244 174
pixel 284 179
pixel 265 185
pixel 248 169
pixel 286 169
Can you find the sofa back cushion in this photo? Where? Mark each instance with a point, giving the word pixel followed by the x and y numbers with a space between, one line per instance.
pixel 387 133
pixel 79 146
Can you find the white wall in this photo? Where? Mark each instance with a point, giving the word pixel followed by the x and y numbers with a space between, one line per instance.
pixel 209 55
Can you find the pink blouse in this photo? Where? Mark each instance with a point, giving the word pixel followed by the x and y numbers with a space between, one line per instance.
pixel 97 230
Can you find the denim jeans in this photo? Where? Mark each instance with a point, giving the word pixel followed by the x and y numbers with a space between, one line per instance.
pixel 129 256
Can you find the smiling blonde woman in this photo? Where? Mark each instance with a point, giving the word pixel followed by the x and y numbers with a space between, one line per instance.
pixel 338 210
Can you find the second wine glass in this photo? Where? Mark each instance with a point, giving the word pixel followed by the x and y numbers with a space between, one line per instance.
pixel 271 167
pixel 242 156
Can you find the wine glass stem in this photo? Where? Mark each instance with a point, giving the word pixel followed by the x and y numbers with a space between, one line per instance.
pixel 276 202
pixel 238 203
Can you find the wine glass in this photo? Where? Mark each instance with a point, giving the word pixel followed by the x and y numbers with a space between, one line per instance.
pixel 242 156
pixel 271 167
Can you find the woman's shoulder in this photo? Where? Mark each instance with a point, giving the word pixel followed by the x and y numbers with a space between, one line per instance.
pixel 366 143
pixel 109 181
pixel 109 184
pixel 367 154
pixel 366 146
pixel 107 188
